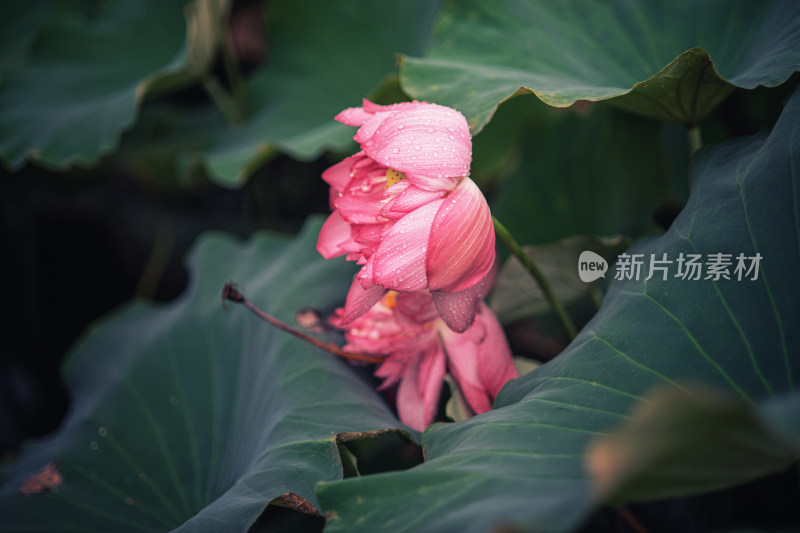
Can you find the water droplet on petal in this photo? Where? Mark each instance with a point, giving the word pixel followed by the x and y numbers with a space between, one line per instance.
pixel 417 147
pixel 395 150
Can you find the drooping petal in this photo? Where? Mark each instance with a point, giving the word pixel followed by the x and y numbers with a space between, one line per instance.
pixel 420 387
pixel 371 127
pixel 437 183
pixel 364 276
pixel 415 307
pixel 458 309
pixel 371 107
pixel 494 354
pixel 334 234
pixel 409 199
pixel 375 332
pixel 463 363
pixel 401 257
pixel 383 331
pixel 367 237
pixel 462 240
pixel 427 140
pixel 479 359
pixel 359 301
pixel 353 116
pixel 338 176
pixel 365 165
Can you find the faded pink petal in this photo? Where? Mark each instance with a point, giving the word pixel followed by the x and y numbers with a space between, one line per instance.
pixel 359 301
pixel 427 140
pixel 401 257
pixel 405 328
pixel 480 360
pixel 462 240
pixel 393 369
pixel 376 332
pixel 382 331
pixel 420 387
pixel 334 234
pixel 458 309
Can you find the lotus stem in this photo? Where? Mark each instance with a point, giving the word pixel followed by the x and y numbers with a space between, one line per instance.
pixel 695 139
pixel 555 304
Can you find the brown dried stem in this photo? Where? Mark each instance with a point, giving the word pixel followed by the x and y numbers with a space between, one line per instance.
pixel 230 293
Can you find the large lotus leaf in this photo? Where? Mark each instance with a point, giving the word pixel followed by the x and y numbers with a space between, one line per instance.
pixel 83 78
pixel 323 58
pixel 20 28
pixel 523 462
pixel 595 171
pixel 718 440
pixel 188 417
pixel 668 59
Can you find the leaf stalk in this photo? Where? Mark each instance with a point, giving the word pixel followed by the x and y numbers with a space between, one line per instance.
pixel 555 304
pixel 230 293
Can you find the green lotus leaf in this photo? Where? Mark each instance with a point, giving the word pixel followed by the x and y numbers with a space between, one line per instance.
pixel 671 60
pixel 81 79
pixel 186 417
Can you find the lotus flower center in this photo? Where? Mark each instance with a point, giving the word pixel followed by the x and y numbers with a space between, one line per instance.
pixel 393 177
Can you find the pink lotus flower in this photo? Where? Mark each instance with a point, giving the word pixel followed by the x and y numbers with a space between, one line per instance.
pixel 405 209
pixel 418 345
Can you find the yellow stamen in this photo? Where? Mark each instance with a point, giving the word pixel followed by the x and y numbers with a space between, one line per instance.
pixel 390 300
pixel 393 177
